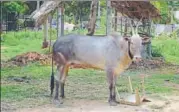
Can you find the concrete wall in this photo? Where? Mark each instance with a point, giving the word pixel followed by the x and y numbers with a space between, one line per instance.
pixel 160 28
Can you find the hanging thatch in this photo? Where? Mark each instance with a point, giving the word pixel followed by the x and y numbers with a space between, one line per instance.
pixel 133 9
pixel 39 16
pixel 136 9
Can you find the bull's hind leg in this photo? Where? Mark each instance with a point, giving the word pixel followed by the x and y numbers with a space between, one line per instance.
pixel 57 81
pixel 63 79
pixel 111 77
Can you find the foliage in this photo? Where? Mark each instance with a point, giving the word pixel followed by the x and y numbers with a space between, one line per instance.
pixel 167 46
pixel 77 9
pixel 166 9
pixel 15 6
pixel 20 42
pixel 162 6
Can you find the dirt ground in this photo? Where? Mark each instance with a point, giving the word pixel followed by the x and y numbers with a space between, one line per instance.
pixel 164 104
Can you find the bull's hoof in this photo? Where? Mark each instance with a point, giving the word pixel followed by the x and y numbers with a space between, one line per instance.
pixel 112 103
pixel 58 102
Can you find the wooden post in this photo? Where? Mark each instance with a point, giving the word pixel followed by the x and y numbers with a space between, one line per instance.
pixel 60 22
pixel 115 23
pixel 50 42
pixel 121 26
pixel 37 8
pixel 45 43
pixel 125 30
pixel 38 5
pixel 99 16
pixel 149 46
pixel 108 17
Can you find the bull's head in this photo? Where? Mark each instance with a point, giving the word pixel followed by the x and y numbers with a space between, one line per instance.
pixel 135 44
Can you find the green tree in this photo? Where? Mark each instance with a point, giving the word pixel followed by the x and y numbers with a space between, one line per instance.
pixel 77 10
pixel 163 9
pixel 166 9
pixel 173 6
pixel 15 6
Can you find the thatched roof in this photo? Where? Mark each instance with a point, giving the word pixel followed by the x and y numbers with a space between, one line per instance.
pixel 41 15
pixel 133 9
pixel 136 9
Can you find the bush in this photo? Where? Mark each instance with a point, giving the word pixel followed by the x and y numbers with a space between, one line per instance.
pixel 156 52
pixel 167 46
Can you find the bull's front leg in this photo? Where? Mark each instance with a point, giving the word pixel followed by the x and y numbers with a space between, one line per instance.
pixel 112 77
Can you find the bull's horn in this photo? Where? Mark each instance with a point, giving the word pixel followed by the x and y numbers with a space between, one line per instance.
pixel 133 31
pixel 136 33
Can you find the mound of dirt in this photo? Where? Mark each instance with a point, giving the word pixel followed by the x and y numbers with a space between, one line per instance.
pixel 148 63
pixel 28 57
pixel 45 59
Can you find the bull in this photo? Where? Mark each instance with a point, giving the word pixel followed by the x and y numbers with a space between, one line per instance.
pixel 112 53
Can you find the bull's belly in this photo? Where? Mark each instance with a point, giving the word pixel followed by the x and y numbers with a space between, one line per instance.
pixel 77 64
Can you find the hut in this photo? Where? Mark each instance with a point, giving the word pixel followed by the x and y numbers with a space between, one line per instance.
pixel 131 9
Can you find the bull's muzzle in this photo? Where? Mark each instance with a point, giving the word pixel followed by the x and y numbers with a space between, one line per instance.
pixel 137 59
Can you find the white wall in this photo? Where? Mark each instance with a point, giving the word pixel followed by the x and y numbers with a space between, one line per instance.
pixel 176 14
pixel 160 28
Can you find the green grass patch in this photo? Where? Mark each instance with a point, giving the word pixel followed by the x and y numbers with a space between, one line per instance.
pixel 15 43
pixel 168 47
pixel 21 92
pixel 81 83
pixel 34 71
pixel 155 83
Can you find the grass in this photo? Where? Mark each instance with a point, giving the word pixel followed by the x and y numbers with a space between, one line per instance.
pixel 81 84
pixel 15 43
pixel 167 47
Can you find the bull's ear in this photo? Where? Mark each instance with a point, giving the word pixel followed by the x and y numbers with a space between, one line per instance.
pixel 146 40
pixel 127 39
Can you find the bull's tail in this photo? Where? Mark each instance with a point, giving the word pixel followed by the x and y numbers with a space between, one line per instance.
pixel 52 78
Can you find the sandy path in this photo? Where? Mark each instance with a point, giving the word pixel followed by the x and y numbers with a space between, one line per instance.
pixel 85 106
pixel 167 105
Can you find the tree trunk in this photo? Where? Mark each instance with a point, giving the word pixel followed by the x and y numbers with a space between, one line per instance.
pixel 92 18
